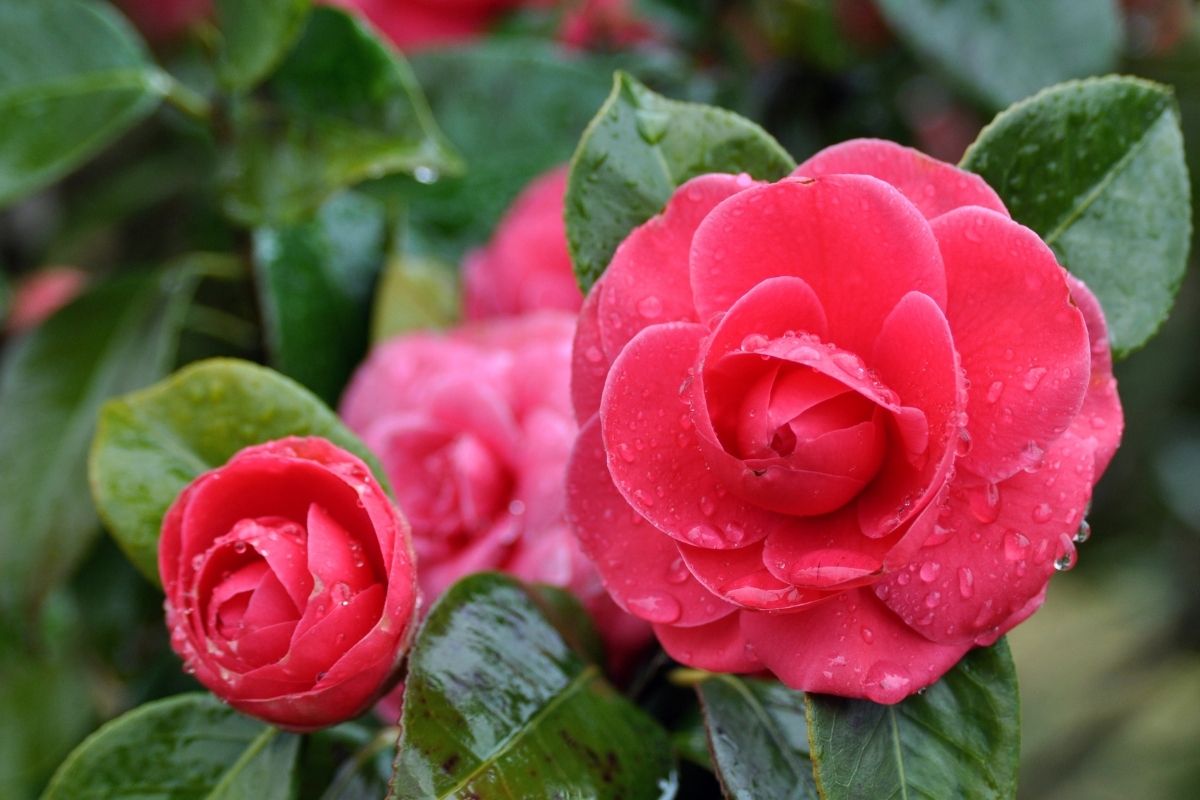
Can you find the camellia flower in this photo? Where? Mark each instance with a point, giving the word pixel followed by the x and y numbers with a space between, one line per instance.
pixel 414 24
pixel 474 428
pixel 290 583
pixel 163 20
pixel 842 427
pixel 40 294
pixel 526 266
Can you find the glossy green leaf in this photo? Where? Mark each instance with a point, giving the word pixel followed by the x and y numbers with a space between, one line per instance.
pixel 342 107
pixel 73 77
pixel 758 737
pixel 152 443
pixel 960 738
pixel 187 747
pixel 117 337
pixel 1096 167
pixel 413 294
pixel 315 285
pixel 639 148
pixel 255 37
pixel 1003 50
pixel 498 705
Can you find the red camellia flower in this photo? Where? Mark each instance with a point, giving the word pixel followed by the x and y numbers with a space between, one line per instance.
pixel 290 582
pixel 474 428
pixel 38 295
pixel 414 24
pixel 842 427
pixel 163 20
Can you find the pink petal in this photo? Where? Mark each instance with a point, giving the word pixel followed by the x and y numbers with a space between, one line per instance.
pixel 914 355
pixel 589 362
pixel 640 566
pixel 315 647
pixel 933 186
pixel 856 241
pixel 1023 344
pixel 653 454
pixel 334 556
pixel 265 645
pixel 647 281
pixel 718 646
pixel 824 553
pixel 741 577
pixel 995 549
pixel 1101 419
pixel 851 646
pixel 269 605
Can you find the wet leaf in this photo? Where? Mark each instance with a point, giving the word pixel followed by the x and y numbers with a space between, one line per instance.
pixel 187 746
pixel 638 149
pixel 961 738
pixel 255 37
pixel 119 336
pixel 1003 50
pixel 73 77
pixel 152 443
pixel 1096 167
pixel 498 705
pixel 758 738
pixel 414 293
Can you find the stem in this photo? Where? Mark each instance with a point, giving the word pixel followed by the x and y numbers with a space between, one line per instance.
pixel 687 678
pixel 190 102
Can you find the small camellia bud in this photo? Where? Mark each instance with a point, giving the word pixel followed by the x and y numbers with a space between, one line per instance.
pixel 290 583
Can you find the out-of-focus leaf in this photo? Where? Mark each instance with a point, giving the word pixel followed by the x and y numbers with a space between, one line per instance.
pixel 184 747
pixel 255 37
pixel 348 762
pixel 498 705
pixel 758 737
pixel 1003 50
pixel 315 282
pixel 152 443
pixel 960 738
pixel 414 293
pixel 638 149
pixel 1096 167
pixel 342 107
pixel 119 336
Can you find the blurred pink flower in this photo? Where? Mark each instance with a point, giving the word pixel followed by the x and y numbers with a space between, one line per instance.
pixel 40 294
pixel 163 20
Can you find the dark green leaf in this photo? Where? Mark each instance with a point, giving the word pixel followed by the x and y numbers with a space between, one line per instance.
pixel 498 705
pixel 73 77
pixel 255 38
pixel 639 148
pixel 413 293
pixel 357 758
pixel 152 443
pixel 758 737
pixel 1096 167
pixel 564 611
pixel 183 748
pixel 343 107
pixel 1003 50
pixel 315 282
pixel 118 337
pixel 959 739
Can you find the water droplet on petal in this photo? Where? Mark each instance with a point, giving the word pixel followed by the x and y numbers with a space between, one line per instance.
pixel 1084 533
pixel 341 593
pixel 966 582
pixel 868 635
pixel 754 341
pixel 650 307
pixel 705 536
pixel 626 453
pixel 707 506
pixel 932 599
pixel 929 571
pixel 593 354
pixel 677 572
pixel 1042 512
pixel 660 608
pixel 1033 377
pixel 984 502
pixel 1067 556
pixel 734 533
pixel 993 392
pixel 1015 545
pixel 887 682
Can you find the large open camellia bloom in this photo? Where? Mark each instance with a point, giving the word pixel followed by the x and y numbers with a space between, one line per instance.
pixel 841 427
pixel 290 583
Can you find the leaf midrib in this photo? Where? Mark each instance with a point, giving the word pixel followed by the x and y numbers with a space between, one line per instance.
pixel 124 79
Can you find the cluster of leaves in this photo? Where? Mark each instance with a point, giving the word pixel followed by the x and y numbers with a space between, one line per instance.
pixel 317 185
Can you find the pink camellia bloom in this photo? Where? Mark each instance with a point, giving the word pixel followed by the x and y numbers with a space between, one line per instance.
pixel 38 295
pixel 842 427
pixel 290 583
pixel 475 428
pixel 526 266
pixel 603 22
pixel 163 20
pixel 416 24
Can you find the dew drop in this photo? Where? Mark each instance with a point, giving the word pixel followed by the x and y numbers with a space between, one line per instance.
pixel 677 572
pixel 341 593
pixel 1042 512
pixel 1066 554
pixel 650 307
pixel 887 682
pixel 593 354
pixel 660 608
pixel 903 578
pixel 1084 533
pixel 993 392
pixel 1033 377
pixel 1015 545
pixel 626 453
pixel 966 582
pixel 705 536
pixel 754 341
pixel 707 506
pixel 868 635
pixel 734 533
pixel 984 502
pixel 929 571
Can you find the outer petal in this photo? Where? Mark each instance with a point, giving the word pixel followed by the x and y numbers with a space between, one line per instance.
pixel 1023 344
pixel 852 238
pixel 647 282
pixel 852 646
pixel 1101 419
pixel 653 454
pixel 933 186
pixel 741 577
pixel 996 549
pixel 718 646
pixel 641 567
pixel 589 362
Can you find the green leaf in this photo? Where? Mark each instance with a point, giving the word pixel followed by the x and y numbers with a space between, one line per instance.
pixel 1096 167
pixel 73 77
pixel 758 737
pixel 639 148
pixel 315 285
pixel 498 705
pixel 413 294
pixel 255 37
pixel 342 107
pixel 1003 50
pixel 187 746
pixel 117 337
pixel 960 738
pixel 150 444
